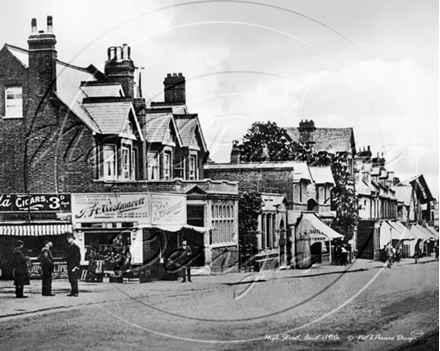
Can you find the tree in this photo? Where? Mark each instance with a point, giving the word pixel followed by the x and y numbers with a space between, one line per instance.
pixel 250 205
pixel 268 142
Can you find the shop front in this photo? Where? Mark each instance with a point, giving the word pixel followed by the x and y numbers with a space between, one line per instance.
pixel 33 219
pixel 314 241
pixel 149 226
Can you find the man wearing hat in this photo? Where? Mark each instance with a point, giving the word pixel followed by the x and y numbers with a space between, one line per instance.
pixel 20 272
pixel 47 266
pixel 73 259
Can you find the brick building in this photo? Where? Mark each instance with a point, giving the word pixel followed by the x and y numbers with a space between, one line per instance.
pixel 304 189
pixel 92 137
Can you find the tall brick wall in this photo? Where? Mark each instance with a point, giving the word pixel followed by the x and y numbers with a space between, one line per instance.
pixel 12 131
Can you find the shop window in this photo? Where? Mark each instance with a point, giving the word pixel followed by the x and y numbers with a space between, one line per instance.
pixel 179 168
pixel 192 174
pixel 14 102
pixel 153 166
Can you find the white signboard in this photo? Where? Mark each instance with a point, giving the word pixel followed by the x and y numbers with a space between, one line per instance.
pixel 89 208
pixel 168 209
pixel 143 208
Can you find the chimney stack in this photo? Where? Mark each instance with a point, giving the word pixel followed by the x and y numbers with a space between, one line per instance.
pixel 235 153
pixel 42 59
pixel 175 88
pixel 120 68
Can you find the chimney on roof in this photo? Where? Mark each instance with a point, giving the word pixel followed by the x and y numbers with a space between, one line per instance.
pixel 42 60
pixel 119 68
pixel 306 130
pixel 235 153
pixel 175 88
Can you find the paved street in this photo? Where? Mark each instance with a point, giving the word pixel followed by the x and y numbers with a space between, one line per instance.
pixel 317 309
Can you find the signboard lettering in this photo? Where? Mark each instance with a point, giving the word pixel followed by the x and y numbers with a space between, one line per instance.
pixel 35 202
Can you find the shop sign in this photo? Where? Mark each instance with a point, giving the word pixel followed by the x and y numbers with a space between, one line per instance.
pixel 168 209
pixel 35 202
pixel 59 271
pixel 89 208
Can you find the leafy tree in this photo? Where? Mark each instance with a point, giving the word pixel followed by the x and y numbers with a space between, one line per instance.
pixel 250 205
pixel 268 142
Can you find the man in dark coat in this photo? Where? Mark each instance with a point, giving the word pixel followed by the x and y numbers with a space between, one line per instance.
pixel 21 274
pixel 185 261
pixel 47 266
pixel 73 259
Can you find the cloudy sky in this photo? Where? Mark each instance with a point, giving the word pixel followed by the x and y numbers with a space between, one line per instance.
pixel 371 65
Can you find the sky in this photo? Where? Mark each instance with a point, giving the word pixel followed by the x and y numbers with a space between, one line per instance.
pixel 369 65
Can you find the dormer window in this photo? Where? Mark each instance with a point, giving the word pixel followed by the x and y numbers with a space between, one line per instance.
pixel 14 102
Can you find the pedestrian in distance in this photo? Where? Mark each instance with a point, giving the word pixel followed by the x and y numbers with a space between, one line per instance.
pixel 47 266
pixel 185 261
pixel 73 259
pixel 389 249
pixel 20 270
pixel 417 253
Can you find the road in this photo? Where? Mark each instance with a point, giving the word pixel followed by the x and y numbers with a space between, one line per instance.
pixel 376 309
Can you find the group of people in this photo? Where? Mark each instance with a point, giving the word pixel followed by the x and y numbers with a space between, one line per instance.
pixel 21 273
pixel 73 259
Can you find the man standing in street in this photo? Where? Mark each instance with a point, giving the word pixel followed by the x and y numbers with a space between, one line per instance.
pixel 20 272
pixel 73 259
pixel 390 254
pixel 47 266
pixel 185 261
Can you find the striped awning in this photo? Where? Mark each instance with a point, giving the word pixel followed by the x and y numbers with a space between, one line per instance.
pixel 35 229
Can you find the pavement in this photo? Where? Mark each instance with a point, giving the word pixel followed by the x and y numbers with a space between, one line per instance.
pixel 105 292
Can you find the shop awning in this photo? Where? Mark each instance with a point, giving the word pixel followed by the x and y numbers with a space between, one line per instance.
pixel 419 232
pixel 399 231
pixel 316 229
pixel 35 229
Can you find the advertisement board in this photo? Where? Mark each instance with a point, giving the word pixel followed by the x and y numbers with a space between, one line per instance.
pixel 143 208
pixel 90 208
pixel 35 202
pixel 168 209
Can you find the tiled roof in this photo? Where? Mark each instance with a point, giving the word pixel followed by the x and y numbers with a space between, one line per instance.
pixel 156 126
pixel 69 78
pixel 109 116
pixel 322 175
pixel 272 202
pixel 187 126
pixel 328 139
pixel 103 90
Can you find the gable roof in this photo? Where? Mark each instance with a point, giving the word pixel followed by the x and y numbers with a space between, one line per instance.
pixel 111 116
pixel 157 124
pixel 189 128
pixel 329 139
pixel 69 78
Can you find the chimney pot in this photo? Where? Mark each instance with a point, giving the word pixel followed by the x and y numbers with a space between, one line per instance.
pixel 49 24
pixel 118 53
pixel 34 25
